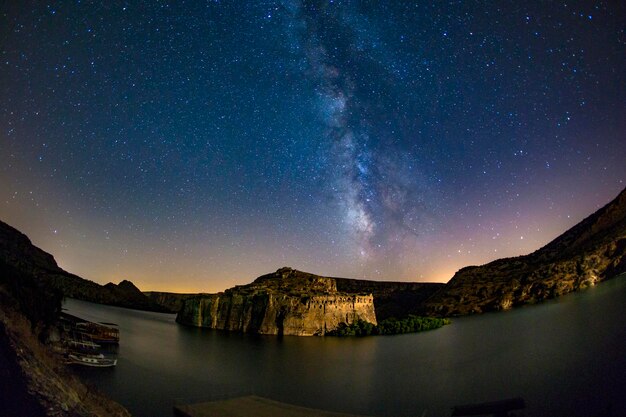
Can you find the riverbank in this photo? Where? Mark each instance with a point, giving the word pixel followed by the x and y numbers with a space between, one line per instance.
pixel 40 385
pixel 37 382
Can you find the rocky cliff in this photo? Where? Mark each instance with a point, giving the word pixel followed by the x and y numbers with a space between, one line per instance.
pixel 287 302
pixel 17 250
pixel 592 251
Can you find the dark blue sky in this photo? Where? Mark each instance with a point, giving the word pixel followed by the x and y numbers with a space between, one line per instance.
pixel 194 145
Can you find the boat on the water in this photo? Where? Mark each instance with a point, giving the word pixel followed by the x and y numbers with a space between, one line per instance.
pixel 98 361
pixel 80 341
pixel 100 332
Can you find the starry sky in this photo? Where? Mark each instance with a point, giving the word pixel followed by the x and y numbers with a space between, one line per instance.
pixel 194 145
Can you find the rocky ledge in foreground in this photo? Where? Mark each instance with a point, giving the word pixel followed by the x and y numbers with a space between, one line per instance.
pixel 33 380
pixel 592 251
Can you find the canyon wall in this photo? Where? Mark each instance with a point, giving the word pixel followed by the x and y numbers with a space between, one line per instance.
pixel 590 252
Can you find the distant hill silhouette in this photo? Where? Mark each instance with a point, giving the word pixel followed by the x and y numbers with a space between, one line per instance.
pixel 17 251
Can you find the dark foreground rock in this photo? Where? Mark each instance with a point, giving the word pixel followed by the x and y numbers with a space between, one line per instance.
pixel 33 381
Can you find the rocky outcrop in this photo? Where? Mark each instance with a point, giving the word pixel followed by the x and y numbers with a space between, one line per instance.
pixel 287 302
pixel 592 251
pixel 17 250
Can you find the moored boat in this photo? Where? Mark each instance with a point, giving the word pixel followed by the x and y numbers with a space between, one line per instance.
pixel 101 333
pixel 80 341
pixel 98 361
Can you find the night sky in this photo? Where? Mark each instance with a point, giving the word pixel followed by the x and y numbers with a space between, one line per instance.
pixel 191 146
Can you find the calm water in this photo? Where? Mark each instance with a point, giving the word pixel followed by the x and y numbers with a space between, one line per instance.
pixel 565 358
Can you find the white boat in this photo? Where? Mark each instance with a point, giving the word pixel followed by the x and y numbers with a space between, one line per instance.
pixel 98 361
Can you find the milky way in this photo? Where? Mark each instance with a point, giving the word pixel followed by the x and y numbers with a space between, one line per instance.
pixel 375 182
pixel 193 146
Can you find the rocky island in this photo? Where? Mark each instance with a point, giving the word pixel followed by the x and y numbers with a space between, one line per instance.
pixel 291 302
pixel 287 302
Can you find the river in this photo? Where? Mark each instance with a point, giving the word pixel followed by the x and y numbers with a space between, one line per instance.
pixel 565 357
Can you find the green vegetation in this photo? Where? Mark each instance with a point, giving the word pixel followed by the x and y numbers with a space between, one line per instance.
pixel 410 324
pixel 358 328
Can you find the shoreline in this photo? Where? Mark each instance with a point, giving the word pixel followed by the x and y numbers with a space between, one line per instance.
pixel 40 383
